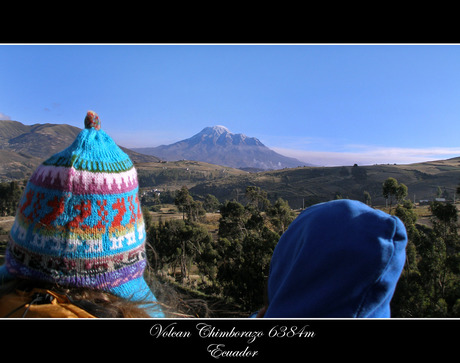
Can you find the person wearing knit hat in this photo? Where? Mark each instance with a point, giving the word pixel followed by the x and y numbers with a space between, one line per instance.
pixel 79 224
pixel 338 259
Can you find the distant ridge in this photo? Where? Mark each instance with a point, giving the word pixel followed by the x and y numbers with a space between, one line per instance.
pixel 217 145
pixel 24 147
pixel 38 140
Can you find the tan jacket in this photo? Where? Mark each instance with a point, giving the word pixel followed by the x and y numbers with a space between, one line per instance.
pixel 39 303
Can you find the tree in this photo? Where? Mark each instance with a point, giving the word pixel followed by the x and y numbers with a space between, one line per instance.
pixel 429 284
pixel 391 189
pixel 196 212
pixel 367 198
pixel 401 192
pixel 257 249
pixel 438 192
pixel 446 216
pixel 207 261
pixel 189 207
pixel 245 245
pixel 281 215
pixel 232 223
pixel 177 243
pixel 257 197
pixel 10 194
pixel 211 203
pixel 183 200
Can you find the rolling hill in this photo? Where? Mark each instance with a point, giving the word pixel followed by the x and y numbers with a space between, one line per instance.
pixel 305 186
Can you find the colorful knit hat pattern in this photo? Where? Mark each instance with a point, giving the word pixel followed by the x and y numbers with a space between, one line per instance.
pixel 79 222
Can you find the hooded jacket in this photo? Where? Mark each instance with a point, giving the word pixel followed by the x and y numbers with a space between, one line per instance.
pixel 340 259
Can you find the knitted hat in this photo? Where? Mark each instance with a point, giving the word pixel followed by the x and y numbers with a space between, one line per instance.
pixel 79 222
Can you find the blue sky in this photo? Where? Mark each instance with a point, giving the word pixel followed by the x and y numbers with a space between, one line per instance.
pixel 327 104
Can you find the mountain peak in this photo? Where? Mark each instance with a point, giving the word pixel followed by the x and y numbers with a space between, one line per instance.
pixel 217 145
pixel 218 129
pixel 221 136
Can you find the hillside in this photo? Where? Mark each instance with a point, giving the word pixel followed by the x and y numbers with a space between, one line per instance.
pixel 173 175
pixel 217 145
pixel 15 166
pixel 39 140
pixel 308 185
pixel 24 147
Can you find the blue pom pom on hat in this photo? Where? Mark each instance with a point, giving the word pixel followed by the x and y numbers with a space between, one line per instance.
pixel 79 222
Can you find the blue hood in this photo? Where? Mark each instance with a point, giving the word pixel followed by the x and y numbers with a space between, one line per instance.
pixel 340 259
